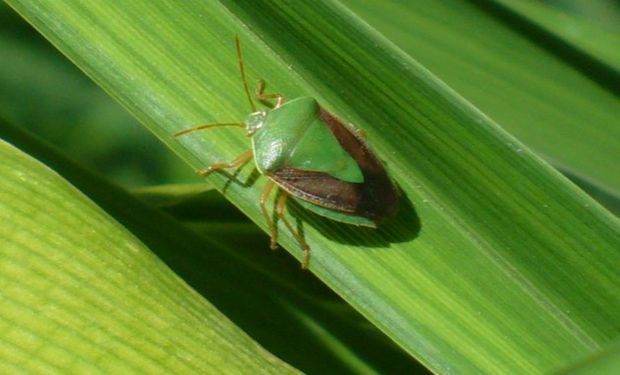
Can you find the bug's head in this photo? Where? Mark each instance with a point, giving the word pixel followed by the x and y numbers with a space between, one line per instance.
pixel 255 121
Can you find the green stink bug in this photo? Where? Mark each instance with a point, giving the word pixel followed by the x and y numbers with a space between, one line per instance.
pixel 313 157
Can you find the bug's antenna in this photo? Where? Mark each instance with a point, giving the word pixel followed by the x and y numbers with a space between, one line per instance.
pixel 243 77
pixel 209 126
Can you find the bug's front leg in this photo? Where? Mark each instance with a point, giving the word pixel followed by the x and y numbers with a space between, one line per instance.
pixel 260 94
pixel 280 206
pixel 239 161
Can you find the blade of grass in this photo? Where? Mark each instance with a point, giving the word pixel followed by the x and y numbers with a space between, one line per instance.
pixel 545 91
pixel 488 281
pixel 82 294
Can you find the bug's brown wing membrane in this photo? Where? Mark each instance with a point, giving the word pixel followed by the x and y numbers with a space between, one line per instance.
pixel 375 198
pixel 319 188
pixel 379 195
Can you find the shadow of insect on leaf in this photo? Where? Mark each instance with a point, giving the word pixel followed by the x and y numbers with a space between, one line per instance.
pixel 404 226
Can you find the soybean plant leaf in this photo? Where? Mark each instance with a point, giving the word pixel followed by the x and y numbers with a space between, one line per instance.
pixel 495 263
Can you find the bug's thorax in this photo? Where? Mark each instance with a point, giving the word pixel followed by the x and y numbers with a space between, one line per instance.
pixel 254 122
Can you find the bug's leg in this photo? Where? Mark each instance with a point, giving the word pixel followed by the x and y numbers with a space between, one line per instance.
pixel 260 94
pixel 240 160
pixel 273 229
pixel 280 206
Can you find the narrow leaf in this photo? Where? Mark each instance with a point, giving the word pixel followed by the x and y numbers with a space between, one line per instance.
pixel 492 262
pixel 81 294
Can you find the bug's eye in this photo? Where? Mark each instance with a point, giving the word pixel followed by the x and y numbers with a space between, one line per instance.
pixel 255 121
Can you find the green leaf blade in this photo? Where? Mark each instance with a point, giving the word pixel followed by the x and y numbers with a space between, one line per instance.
pixel 483 270
pixel 538 90
pixel 84 295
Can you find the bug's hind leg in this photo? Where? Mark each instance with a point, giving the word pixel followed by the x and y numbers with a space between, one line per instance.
pixel 239 161
pixel 280 206
pixel 260 94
